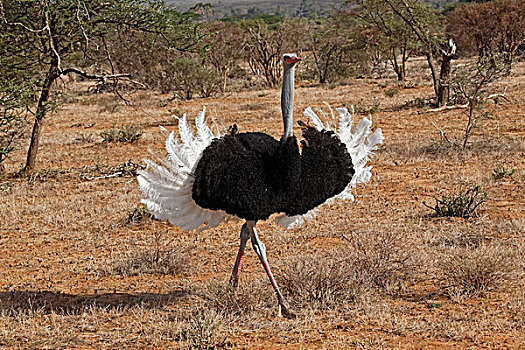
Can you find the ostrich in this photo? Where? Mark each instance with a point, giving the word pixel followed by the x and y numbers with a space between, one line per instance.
pixel 208 179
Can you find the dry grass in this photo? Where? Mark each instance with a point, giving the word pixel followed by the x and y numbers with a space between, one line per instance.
pixel 473 271
pixel 323 282
pixel 251 298
pixel 83 267
pixel 157 258
pixel 124 133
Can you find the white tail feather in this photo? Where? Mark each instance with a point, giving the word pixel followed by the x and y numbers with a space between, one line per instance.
pixel 168 188
pixel 359 144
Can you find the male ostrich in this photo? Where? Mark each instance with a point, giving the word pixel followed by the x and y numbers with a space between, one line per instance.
pixel 207 179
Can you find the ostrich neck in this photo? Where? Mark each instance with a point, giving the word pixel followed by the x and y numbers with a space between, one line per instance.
pixel 287 100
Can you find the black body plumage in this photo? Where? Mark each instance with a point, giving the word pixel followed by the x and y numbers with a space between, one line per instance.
pixel 252 175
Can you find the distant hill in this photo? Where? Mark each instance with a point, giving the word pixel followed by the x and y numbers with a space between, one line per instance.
pixel 288 8
pixel 291 8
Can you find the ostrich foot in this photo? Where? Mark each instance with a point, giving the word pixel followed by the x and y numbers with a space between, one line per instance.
pixel 285 311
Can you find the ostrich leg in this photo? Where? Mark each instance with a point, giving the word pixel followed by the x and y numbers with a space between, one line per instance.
pixel 245 236
pixel 260 249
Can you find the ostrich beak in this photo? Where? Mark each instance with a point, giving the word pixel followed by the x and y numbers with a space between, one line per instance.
pixel 294 60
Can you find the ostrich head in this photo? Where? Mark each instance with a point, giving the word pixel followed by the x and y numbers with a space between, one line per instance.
pixel 290 59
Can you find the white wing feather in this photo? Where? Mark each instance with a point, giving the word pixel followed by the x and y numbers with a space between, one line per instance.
pixel 360 144
pixel 167 188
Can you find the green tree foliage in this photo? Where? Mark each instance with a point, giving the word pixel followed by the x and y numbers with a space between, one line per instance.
pixel 16 100
pixel 46 39
pixel 394 38
pixel 330 42
pixel 425 25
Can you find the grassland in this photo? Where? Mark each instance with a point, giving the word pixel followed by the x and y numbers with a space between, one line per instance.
pixel 82 266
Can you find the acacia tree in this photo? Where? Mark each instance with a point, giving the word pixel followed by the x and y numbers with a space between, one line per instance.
pixel 424 23
pixel 394 37
pixel 263 47
pixel 224 48
pixel 327 42
pixel 44 38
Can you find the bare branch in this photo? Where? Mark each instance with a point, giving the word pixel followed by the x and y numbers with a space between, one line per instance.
pixel 94 76
pixel 446 108
pixel 19 24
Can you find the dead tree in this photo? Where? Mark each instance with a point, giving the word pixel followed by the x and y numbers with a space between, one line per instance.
pixel 447 55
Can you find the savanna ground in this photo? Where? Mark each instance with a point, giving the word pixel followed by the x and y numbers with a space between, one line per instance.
pixel 82 265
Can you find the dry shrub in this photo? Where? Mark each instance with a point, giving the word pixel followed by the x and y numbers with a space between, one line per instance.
pixel 408 152
pixel 388 256
pixel 371 261
pixel 125 133
pixel 249 298
pixel 85 138
pixel 158 257
pixel 463 239
pixel 474 271
pixel 322 281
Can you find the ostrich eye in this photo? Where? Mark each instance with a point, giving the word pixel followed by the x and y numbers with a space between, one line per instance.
pixel 286 58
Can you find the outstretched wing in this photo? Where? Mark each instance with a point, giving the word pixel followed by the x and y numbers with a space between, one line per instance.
pixel 360 144
pixel 167 188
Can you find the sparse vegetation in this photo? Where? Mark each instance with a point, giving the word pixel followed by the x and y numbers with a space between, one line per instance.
pixel 418 102
pixel 15 103
pixel 159 257
pixel 124 133
pixel 138 214
pixel 471 85
pixel 201 333
pixel 361 108
pixel 324 282
pixel 391 92
pixel 251 297
pixel 500 172
pixel 461 203
pixel 473 271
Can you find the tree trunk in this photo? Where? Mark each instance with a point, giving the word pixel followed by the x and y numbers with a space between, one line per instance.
pixel 41 111
pixel 444 74
pixel 432 65
pixel 444 82
pixel 401 74
pixel 225 78
pixel 398 68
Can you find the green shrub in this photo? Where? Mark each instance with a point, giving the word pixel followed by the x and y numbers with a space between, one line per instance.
pixel 391 92
pixel 418 102
pixel 138 214
pixel 501 172
pixel 461 203
pixel 187 77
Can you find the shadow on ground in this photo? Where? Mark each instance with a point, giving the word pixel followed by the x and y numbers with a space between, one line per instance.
pixel 70 304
